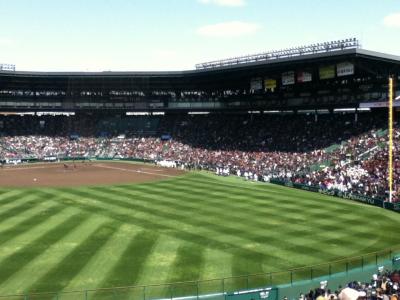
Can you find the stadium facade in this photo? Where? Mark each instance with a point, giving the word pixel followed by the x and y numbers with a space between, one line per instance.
pixel 348 78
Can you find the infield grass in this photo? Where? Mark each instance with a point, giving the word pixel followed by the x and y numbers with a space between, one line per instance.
pixel 193 227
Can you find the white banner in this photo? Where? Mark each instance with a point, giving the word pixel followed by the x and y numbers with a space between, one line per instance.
pixel 304 77
pixel 378 104
pixel 344 69
pixel 288 78
pixel 256 84
pixel 50 158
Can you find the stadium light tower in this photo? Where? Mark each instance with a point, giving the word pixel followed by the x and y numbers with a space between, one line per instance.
pixel 390 177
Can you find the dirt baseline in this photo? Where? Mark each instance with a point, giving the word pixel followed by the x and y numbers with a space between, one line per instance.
pixel 81 174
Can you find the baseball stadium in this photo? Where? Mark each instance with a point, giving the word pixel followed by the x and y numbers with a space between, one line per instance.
pixel 255 177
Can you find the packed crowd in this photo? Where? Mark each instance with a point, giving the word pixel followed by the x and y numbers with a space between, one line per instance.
pixel 385 285
pixel 257 147
pixel 358 166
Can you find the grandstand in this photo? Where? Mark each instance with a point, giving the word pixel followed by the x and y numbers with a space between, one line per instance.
pixel 313 118
pixel 294 102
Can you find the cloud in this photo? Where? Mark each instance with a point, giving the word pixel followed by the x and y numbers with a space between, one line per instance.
pixel 232 3
pixel 228 29
pixel 392 20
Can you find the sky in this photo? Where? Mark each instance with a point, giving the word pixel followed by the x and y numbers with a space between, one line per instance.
pixel 160 35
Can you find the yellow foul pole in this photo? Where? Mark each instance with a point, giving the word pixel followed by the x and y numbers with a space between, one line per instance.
pixel 390 179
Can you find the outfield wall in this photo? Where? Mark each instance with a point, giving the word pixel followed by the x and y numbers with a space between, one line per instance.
pixel 267 286
pixel 360 198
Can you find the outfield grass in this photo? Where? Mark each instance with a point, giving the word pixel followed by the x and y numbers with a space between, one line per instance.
pixel 192 227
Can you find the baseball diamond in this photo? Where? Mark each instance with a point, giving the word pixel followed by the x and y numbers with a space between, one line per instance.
pixel 187 226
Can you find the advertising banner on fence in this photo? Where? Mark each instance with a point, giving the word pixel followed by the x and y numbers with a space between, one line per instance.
pixel 270 84
pixel 327 72
pixel 156 105
pixel 359 198
pixel 304 77
pixel 288 78
pixel 344 69
pixel 256 84
pixel 393 206
pixel 256 294
pixel 378 104
pixel 50 158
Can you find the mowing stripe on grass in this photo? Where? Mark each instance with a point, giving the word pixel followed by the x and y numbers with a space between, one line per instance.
pixel 185 204
pixel 130 265
pixel 53 254
pixel 264 238
pixel 193 185
pixel 215 263
pixel 288 203
pixel 259 191
pixel 187 201
pixel 162 227
pixel 249 201
pixel 164 216
pixel 307 250
pixel 25 238
pixel 158 265
pixel 10 196
pixel 22 257
pixel 96 270
pixel 243 188
pixel 14 200
pixel 218 210
pixel 71 265
pixel 188 264
pixel 228 220
pixel 246 265
pixel 319 236
pixel 20 208
pixel 198 221
pixel 29 223
pixel 291 209
pixel 14 221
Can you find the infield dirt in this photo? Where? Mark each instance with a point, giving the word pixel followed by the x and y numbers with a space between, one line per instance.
pixel 81 174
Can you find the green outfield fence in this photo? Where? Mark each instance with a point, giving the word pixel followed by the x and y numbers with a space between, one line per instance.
pixel 379 202
pixel 270 286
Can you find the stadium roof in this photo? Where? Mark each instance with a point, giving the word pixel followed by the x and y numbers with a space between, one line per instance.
pixel 317 57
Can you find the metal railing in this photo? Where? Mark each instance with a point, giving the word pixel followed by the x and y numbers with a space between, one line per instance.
pixel 219 289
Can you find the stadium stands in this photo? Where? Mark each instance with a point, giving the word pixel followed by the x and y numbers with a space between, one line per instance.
pixel 384 285
pixel 331 151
